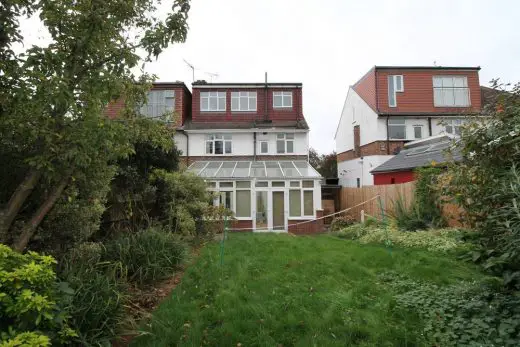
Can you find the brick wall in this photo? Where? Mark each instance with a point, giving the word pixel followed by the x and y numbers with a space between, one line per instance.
pixel 357 140
pixel 280 114
pixel 373 148
pixel 314 227
pixel 418 91
pixel 241 224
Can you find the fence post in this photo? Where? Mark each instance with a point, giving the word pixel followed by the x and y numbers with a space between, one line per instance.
pixel 362 216
pixel 224 237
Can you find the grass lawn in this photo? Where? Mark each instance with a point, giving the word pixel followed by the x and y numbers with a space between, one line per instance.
pixel 280 290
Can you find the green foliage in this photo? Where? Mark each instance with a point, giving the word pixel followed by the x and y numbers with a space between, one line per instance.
pixel 341 222
pixel 486 184
pixel 325 164
pixel 425 211
pixel 32 300
pixel 53 99
pixel 27 339
pixel 184 202
pixel 463 314
pixel 147 256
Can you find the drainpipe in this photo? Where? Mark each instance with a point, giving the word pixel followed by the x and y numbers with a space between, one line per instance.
pixel 430 125
pixel 266 113
pixel 387 137
pixel 254 146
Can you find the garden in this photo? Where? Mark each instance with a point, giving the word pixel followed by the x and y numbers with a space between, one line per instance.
pixel 99 222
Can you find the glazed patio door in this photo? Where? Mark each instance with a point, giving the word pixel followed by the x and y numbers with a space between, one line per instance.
pixel 262 210
pixel 278 210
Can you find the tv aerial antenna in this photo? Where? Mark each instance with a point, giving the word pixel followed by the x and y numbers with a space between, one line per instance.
pixel 193 68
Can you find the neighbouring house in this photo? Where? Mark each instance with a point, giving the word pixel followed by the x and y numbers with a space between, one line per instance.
pixel 432 151
pixel 392 105
pixel 250 142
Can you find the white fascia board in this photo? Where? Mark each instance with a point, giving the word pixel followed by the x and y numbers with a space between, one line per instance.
pixel 252 130
pixel 245 86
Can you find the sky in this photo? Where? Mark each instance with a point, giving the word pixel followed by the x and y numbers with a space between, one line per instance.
pixel 329 44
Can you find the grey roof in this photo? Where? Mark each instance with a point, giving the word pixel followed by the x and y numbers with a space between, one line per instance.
pixel 295 124
pixel 420 156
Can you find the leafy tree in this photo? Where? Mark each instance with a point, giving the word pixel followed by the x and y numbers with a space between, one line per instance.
pixel 487 182
pixel 52 97
pixel 325 164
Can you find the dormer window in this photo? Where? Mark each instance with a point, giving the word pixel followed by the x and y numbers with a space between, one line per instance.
pixel 243 101
pixel 213 101
pixel 218 144
pixel 158 103
pixel 282 99
pixel 451 91
pixel 395 85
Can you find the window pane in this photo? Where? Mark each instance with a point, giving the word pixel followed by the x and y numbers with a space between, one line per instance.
pixel 264 147
pixel 252 103
pixel 448 97
pixel 243 203
pixel 308 202
pixel 278 184
pixel 226 185
pixel 261 184
pixel 204 104
pixel 308 184
pixel 449 129
pixel 228 147
pixel 287 101
pixel 417 132
pixel 397 132
pixel 295 183
pixel 243 184
pixel 211 184
pixel 234 104
pixel 280 146
pixel 295 203
pixel 213 106
pixel 209 147
pixel 226 199
pixel 437 97
pixel 280 136
pixel 289 136
pixel 437 82
pixel 396 121
pixel 219 147
pixel 277 100
pixel 290 146
pixel 391 91
pixel 398 82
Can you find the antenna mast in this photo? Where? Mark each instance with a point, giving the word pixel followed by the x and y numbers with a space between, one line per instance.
pixel 192 70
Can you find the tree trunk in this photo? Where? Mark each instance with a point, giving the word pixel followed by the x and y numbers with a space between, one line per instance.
pixel 16 201
pixel 30 227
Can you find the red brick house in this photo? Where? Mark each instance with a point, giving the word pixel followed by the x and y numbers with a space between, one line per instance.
pixel 392 105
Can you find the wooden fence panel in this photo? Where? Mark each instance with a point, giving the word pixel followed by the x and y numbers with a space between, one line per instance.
pixel 358 198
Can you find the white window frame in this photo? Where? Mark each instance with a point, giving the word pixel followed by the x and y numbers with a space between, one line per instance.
pixel 392 81
pixel 440 90
pixel 213 138
pixel 260 146
pixel 159 106
pixel 454 123
pixel 301 189
pixel 397 125
pixel 241 96
pixel 221 101
pixel 286 138
pixel 420 127
pixel 282 95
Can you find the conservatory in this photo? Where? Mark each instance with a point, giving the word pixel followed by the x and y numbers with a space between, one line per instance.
pixel 264 195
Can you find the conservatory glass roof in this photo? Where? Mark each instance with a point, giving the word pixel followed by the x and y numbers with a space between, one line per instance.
pixel 254 169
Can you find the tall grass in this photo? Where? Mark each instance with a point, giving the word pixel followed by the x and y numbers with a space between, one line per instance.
pixel 148 256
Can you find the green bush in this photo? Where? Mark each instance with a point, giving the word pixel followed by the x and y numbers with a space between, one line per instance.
pixel 436 240
pixel 341 222
pixel 32 300
pixel 27 339
pixel 352 232
pixel 465 314
pixel 147 256
pixel 98 305
pixel 408 219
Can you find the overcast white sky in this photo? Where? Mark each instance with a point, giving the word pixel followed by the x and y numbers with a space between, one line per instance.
pixel 329 44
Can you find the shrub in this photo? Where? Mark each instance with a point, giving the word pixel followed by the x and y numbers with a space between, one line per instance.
pixel 29 339
pixel 31 299
pixel 425 210
pixel 465 314
pixel 352 232
pixel 486 182
pixel 98 305
pixel 341 222
pixel 147 256
pixel 439 240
